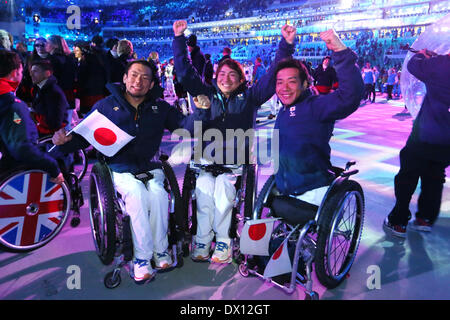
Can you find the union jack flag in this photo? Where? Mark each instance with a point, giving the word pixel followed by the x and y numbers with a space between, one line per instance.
pixel 31 208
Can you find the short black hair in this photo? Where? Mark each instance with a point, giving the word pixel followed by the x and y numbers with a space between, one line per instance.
pixel 192 40
pixel 44 65
pixel 112 42
pixel 232 64
pixel 296 64
pixel 9 61
pixel 149 64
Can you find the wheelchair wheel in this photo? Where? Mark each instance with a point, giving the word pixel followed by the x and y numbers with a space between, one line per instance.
pixel 263 199
pixel 174 191
pixel 80 164
pixel 340 227
pixel 249 197
pixel 33 210
pixel 189 204
pixel 102 212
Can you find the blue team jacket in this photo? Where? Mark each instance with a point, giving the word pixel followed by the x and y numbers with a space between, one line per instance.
pixel 305 129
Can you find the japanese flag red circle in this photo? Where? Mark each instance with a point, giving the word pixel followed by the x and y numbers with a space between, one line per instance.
pixel 105 136
pixel 257 231
pixel 277 253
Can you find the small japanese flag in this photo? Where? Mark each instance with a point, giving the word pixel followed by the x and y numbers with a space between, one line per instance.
pixel 279 263
pixel 102 134
pixel 255 237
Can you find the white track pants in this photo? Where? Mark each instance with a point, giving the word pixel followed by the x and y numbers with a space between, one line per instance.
pixel 148 209
pixel 215 201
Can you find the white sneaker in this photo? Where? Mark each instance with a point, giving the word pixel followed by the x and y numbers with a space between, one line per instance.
pixel 201 251
pixel 143 272
pixel 222 252
pixel 162 260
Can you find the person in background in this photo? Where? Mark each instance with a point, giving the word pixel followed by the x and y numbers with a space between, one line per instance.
pixel 18 133
pixel 426 154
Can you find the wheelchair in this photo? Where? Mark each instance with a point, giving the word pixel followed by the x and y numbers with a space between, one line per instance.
pixel 327 236
pixel 33 210
pixel 246 186
pixel 111 226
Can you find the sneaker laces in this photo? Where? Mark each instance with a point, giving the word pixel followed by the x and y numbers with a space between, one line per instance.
pixel 162 255
pixel 141 263
pixel 199 245
pixel 221 246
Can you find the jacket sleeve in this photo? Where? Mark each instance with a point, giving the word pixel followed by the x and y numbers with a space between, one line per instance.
pixel 346 99
pixel 264 89
pixel 186 73
pixel 19 139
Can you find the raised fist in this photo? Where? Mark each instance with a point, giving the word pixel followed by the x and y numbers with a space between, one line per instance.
pixel 332 40
pixel 288 32
pixel 179 27
pixel 202 102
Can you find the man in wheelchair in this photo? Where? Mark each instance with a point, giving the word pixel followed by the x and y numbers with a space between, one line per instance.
pixel 232 107
pixel 135 107
pixel 18 133
pixel 306 121
pixel 299 192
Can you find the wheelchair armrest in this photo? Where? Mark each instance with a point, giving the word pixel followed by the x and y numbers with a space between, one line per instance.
pixel 349 173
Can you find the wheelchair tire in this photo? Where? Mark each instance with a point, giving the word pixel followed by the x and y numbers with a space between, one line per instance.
pixel 249 197
pixel 102 212
pixel 260 200
pixel 189 204
pixel 110 282
pixel 33 210
pixel 347 200
pixel 178 218
pixel 81 157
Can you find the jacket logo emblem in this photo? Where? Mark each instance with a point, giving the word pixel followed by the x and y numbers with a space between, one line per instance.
pixel 17 119
pixel 292 111
pixel 240 96
pixel 116 108
pixel 155 109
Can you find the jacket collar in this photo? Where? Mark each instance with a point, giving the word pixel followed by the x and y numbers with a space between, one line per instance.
pixel 7 85
pixel 239 89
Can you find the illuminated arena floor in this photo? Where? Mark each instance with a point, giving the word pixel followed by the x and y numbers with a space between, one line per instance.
pixel 417 268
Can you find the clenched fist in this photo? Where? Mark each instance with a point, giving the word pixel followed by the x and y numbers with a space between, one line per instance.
pixel 202 102
pixel 288 32
pixel 179 27
pixel 332 40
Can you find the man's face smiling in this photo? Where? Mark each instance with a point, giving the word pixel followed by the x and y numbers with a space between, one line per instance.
pixel 288 86
pixel 228 80
pixel 138 80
